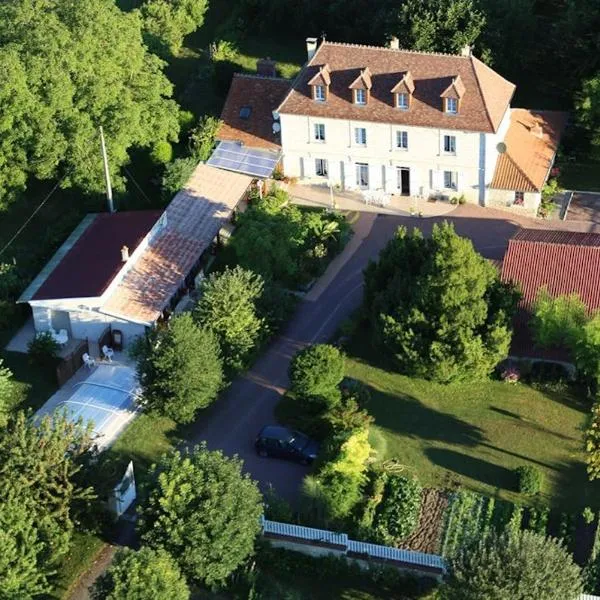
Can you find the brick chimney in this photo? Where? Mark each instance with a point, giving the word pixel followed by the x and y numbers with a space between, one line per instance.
pixel 266 67
pixel 124 254
pixel 311 46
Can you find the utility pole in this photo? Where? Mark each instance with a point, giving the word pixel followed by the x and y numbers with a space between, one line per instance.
pixel 109 196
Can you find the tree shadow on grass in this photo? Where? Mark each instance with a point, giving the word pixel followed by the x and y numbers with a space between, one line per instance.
pixel 527 424
pixel 469 466
pixel 404 415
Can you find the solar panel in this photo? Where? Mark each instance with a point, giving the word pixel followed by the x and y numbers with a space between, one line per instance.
pixel 233 156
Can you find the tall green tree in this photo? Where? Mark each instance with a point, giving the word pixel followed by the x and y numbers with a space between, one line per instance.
pixel 25 556
pixel 587 353
pixel 228 307
pixel 587 106
pixel 438 25
pixel 438 307
pixel 180 369
pixel 167 22
pixel 141 575
pixel 7 389
pixel 203 511
pixel 67 68
pixel 523 566
pixel 40 467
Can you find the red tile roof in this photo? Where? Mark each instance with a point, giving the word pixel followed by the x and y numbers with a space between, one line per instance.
pixel 94 260
pixel 262 95
pixel 563 262
pixel 531 143
pixel 485 100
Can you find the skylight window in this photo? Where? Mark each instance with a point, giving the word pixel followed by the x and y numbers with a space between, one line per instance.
pixel 245 112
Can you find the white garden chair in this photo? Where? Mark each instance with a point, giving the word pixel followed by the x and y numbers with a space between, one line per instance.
pixel 108 353
pixel 88 361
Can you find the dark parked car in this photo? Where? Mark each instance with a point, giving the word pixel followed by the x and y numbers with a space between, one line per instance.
pixel 281 442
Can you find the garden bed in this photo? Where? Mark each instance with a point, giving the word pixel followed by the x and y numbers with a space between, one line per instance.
pixel 427 537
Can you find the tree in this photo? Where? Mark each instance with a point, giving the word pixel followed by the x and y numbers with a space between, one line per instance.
pixel 438 25
pixel 180 369
pixel 587 106
pixel 67 68
pixel 228 307
pixel 167 22
pixel 558 321
pixel 438 307
pixel 316 373
pixel 592 443
pixel 7 389
pixel 25 555
pixel 587 353
pixel 40 466
pixel 202 137
pixel 176 175
pixel 522 566
pixel 140 575
pixel 203 511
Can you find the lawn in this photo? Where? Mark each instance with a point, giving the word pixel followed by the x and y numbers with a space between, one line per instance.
pixel 474 435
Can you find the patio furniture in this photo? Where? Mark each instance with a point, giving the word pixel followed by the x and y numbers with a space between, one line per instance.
pixel 61 338
pixel 88 361
pixel 107 353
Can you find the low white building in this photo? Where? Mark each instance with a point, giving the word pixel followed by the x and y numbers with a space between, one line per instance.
pixel 409 123
pixel 124 270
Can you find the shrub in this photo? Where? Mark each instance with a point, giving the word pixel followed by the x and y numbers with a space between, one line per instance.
pixel 454 200
pixel 316 372
pixel 592 443
pixel 398 513
pixel 588 515
pixel 43 349
pixel 202 138
pixel 162 153
pixel 462 199
pixel 529 480
pixel 510 375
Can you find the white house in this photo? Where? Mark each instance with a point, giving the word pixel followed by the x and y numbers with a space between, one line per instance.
pixel 124 270
pixel 410 123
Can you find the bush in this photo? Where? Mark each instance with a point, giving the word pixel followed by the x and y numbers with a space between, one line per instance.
pixel 176 175
pixel 162 153
pixel 398 513
pixel 588 515
pixel 316 372
pixel 43 349
pixel 462 199
pixel 529 480
pixel 202 138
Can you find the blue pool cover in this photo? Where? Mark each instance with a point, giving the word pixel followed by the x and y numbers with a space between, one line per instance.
pixel 233 156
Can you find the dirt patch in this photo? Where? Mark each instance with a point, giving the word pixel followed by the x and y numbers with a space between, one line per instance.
pixel 428 535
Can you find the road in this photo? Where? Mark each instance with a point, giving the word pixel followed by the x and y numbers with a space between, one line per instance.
pixel 233 422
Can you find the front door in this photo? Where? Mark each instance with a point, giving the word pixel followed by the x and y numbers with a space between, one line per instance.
pixel 404 181
pixel 362 176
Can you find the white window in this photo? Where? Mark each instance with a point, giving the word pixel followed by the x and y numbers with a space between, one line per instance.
pixel 320 132
pixel 402 101
pixel 402 140
pixel 450 144
pixel 451 180
pixel 320 93
pixel 360 96
pixel 451 105
pixel 360 136
pixel 321 167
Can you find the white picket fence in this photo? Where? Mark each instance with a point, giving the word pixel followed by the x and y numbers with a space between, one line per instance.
pixel 320 542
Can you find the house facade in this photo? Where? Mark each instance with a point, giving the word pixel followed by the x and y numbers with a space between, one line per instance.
pixel 408 123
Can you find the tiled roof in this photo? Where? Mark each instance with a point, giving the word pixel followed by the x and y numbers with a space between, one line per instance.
pixel 262 95
pixel 561 261
pixel 486 98
pixel 531 143
pixel 194 218
pixel 94 259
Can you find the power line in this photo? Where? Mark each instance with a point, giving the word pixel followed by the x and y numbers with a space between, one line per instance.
pixel 14 237
pixel 136 183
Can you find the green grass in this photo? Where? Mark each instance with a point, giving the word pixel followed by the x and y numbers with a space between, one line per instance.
pixel 84 550
pixel 580 176
pixel 474 435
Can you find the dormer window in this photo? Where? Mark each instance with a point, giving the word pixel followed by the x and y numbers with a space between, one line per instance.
pixel 360 87
pixel 402 101
pixel 403 92
pixel 319 84
pixel 452 96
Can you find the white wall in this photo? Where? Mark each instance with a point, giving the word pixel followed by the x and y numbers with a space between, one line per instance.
pixel 505 199
pixel 425 157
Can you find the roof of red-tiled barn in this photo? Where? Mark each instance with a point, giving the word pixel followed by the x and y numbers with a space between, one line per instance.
pixel 563 262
